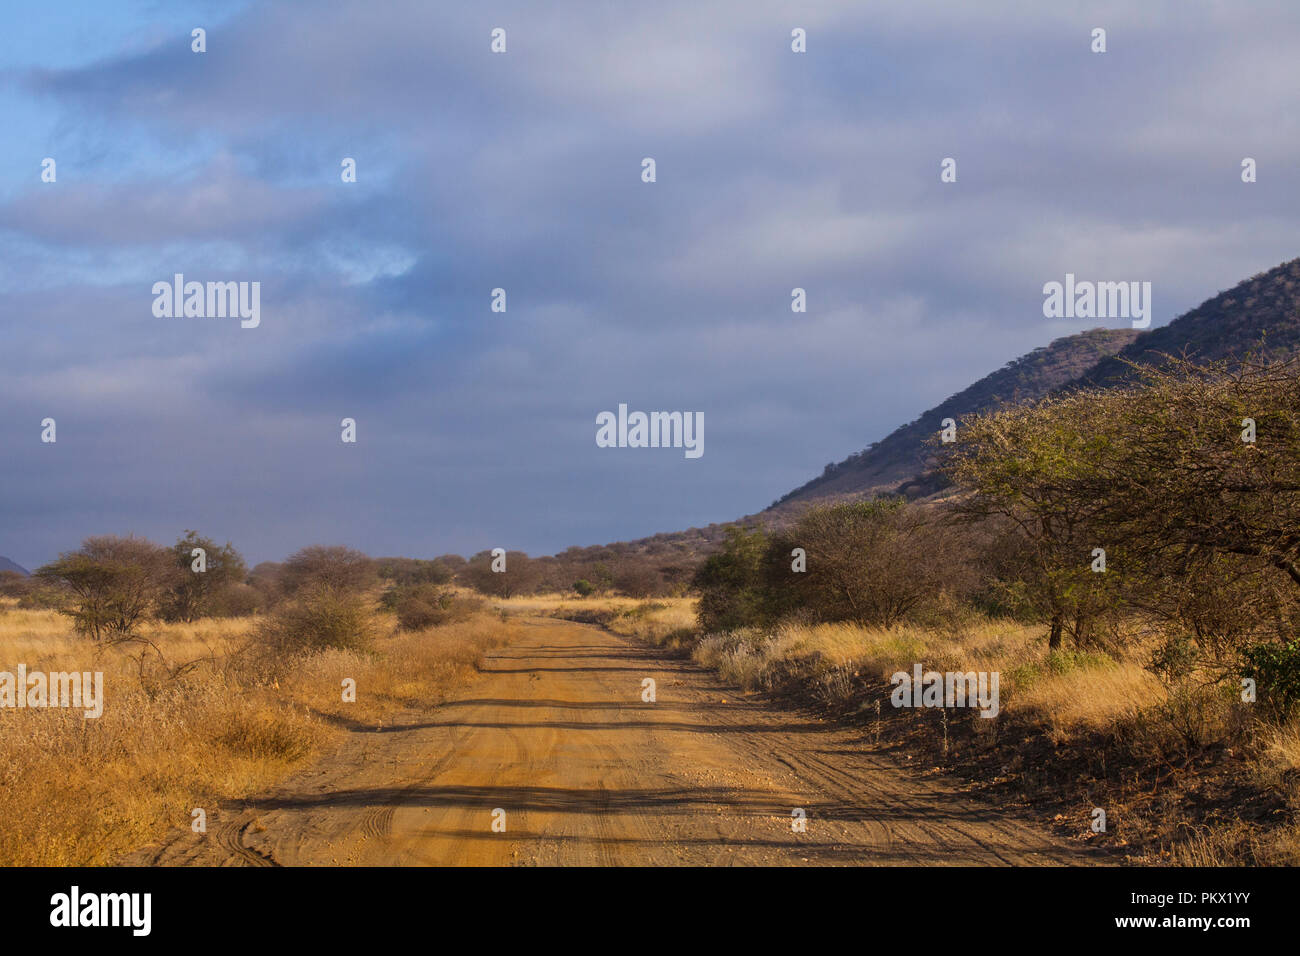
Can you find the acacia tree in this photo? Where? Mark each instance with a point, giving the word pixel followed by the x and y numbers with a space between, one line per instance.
pixel 637 577
pixel 331 566
pixel 1205 492
pixel 117 583
pixel 873 562
pixel 193 591
pixel 1025 464
pixel 1189 475
pixel 1194 477
pixel 520 574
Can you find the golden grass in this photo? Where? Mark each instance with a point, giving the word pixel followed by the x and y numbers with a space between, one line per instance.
pixel 1064 692
pixel 553 604
pixel 1067 692
pixel 1096 695
pixel 657 621
pixel 661 621
pixel 1238 844
pixel 78 791
pixel 1282 747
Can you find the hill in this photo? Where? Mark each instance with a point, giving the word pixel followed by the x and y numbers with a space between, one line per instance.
pixel 1260 314
pixel 902 454
pixel 1264 309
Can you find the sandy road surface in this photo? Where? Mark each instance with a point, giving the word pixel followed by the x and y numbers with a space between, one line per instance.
pixel 556 735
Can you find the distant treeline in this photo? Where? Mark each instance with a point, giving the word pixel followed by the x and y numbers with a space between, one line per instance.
pixel 112 585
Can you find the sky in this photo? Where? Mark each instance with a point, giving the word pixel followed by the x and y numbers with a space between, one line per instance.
pixel 522 171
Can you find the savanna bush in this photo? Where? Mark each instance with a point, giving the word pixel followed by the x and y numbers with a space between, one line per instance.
pixel 1275 668
pixel 318 618
pixel 114 584
pixel 428 605
pixel 332 566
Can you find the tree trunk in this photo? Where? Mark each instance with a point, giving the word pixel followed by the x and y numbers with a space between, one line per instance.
pixel 1054 638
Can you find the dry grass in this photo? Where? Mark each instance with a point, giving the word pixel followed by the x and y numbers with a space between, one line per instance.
pixel 666 622
pixel 78 791
pixel 1092 694
pixel 1282 747
pixel 1066 693
pixel 557 605
pixel 1237 844
pixel 1278 769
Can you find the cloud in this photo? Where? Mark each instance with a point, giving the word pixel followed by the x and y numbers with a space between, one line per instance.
pixel 522 171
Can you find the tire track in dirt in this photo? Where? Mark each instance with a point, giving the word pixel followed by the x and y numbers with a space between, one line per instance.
pixel 231 837
pixel 555 733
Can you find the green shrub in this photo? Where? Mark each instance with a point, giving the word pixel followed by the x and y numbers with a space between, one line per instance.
pixel 1174 660
pixel 732 583
pixel 1276 671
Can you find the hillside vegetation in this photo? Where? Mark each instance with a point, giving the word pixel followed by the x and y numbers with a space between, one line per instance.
pixel 1260 316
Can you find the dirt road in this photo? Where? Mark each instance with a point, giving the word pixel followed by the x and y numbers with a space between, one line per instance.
pixel 556 735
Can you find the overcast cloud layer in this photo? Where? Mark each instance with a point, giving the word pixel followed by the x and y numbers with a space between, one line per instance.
pixel 523 171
